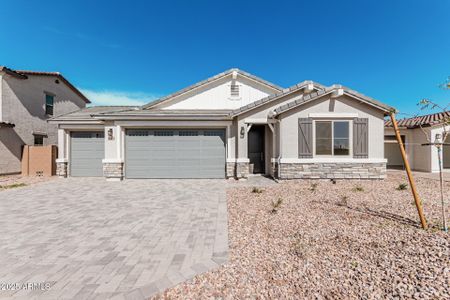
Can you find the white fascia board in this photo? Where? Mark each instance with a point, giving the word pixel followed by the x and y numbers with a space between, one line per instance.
pixel 173 124
pixel 259 121
pixel 333 115
pixel 331 160
pixel 162 117
pixel 75 121
pixel 72 127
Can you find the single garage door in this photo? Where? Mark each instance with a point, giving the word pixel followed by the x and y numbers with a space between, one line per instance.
pixel 87 150
pixel 175 153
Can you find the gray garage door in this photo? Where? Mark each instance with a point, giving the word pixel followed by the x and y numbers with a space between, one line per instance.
pixel 87 150
pixel 175 153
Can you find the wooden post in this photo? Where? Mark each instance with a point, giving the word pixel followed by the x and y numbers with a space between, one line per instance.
pixel 408 172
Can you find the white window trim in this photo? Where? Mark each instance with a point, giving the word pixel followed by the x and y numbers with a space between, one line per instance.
pixel 350 138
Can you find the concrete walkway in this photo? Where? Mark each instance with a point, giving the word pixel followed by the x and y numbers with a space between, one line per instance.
pixel 86 238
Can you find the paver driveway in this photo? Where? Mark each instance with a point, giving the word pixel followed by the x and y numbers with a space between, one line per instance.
pixel 89 238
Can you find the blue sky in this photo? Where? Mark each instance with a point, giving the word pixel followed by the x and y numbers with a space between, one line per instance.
pixel 129 52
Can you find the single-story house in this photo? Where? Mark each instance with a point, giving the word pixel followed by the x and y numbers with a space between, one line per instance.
pixel 230 126
pixel 415 132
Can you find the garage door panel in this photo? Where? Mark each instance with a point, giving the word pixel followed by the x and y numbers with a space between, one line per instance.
pixel 177 153
pixel 86 153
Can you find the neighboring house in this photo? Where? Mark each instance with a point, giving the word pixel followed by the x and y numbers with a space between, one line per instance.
pixel 415 132
pixel 27 100
pixel 231 125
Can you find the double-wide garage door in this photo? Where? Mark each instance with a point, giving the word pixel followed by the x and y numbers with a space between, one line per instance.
pixel 87 150
pixel 175 153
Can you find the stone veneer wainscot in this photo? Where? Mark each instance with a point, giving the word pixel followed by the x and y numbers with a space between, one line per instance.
pixel 333 170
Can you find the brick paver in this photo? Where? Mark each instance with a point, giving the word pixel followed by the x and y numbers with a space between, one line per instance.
pixel 93 239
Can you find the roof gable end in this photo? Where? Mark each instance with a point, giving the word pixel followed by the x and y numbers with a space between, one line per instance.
pixel 211 80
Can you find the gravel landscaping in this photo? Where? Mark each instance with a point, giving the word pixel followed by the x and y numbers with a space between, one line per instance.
pixel 352 239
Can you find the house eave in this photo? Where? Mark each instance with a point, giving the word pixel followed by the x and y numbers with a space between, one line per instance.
pixel 162 117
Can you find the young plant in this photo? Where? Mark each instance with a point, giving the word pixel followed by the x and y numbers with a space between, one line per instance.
pixel 313 187
pixel 300 249
pixel 402 187
pixel 276 205
pixel 358 188
pixel 257 190
pixel 343 201
pixel 12 186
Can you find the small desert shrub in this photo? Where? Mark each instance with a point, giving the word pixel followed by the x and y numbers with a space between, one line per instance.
pixel 354 264
pixel 343 201
pixel 300 249
pixel 12 186
pixel 402 187
pixel 276 205
pixel 257 190
pixel 358 188
pixel 313 187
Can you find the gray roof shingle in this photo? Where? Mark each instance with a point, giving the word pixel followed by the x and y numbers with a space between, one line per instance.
pixel 276 96
pixel 330 90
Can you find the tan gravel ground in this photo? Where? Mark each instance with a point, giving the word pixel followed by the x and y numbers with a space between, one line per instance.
pixel 336 242
pixel 13 180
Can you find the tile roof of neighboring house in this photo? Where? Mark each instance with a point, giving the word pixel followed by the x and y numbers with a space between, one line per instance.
pixel 276 96
pixel 213 78
pixel 6 125
pixel 86 113
pixel 420 121
pixel 22 74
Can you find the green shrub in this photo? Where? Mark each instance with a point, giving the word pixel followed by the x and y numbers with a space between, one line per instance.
pixel 358 188
pixel 257 190
pixel 402 187
pixel 276 205
pixel 12 186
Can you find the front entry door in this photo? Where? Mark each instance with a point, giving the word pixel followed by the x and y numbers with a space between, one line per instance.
pixel 256 148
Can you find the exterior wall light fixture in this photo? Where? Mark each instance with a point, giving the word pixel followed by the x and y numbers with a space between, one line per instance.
pixel 110 134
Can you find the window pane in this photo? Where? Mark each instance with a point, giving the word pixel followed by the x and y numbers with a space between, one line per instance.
pixel 49 110
pixel 341 130
pixel 38 140
pixel 49 104
pixel 323 138
pixel 341 138
pixel 49 100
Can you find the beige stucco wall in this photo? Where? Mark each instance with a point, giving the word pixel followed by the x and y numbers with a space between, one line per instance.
pixel 421 157
pixel 23 104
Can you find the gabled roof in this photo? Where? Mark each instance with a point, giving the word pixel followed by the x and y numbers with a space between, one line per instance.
pixel 330 90
pixel 420 121
pixel 211 79
pixel 276 96
pixel 22 74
